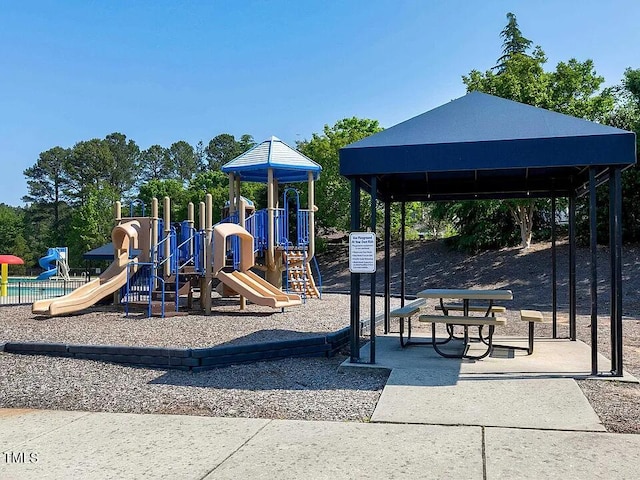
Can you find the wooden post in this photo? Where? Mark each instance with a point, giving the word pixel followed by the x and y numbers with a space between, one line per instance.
pixel 118 212
pixel 209 250
pixel 232 194
pixel 311 206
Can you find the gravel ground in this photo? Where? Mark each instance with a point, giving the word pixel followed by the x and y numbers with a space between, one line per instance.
pixel 304 388
pixel 227 325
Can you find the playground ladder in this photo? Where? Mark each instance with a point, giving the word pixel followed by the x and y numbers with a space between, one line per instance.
pixel 299 277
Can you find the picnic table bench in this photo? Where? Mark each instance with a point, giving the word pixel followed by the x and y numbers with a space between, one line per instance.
pixel 458 307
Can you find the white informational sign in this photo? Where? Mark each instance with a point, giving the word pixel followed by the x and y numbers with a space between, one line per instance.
pixel 362 252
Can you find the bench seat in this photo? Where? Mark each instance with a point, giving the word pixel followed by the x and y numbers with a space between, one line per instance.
pixel 533 316
pixel 457 307
pixel 468 321
pixel 407 312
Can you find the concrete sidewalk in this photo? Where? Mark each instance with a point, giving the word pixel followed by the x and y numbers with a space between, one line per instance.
pixel 507 416
pixel 55 445
pixel 508 389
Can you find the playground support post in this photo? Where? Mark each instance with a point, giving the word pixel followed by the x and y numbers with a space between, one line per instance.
pixel 239 206
pixel 153 245
pixel 204 254
pixel 232 193
pixel 241 215
pixel 311 201
pixel 270 222
pixel 209 249
pixel 118 212
pixel 191 223
pixel 166 210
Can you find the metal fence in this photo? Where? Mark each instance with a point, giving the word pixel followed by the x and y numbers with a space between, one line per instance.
pixel 28 291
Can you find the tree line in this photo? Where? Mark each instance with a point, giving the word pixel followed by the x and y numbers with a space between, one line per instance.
pixel 71 191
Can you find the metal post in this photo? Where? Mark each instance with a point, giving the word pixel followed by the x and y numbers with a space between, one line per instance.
pixel 372 310
pixel 387 265
pixel 554 270
pixel 572 267
pixel 615 219
pixel 403 217
pixel 593 240
pixel 166 211
pixel 355 277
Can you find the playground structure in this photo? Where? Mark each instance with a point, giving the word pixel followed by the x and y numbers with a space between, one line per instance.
pixel 157 262
pixel 5 261
pixel 55 263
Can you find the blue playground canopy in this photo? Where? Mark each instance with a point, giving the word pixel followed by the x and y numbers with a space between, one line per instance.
pixel 288 164
pixel 480 146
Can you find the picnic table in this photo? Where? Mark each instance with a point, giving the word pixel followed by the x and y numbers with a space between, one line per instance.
pixel 465 320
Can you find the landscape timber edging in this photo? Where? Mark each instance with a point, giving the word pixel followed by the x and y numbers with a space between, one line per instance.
pixel 190 359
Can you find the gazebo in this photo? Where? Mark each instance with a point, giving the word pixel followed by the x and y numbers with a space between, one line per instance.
pixel 484 147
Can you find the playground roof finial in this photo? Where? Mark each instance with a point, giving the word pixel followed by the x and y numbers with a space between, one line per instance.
pixel 288 164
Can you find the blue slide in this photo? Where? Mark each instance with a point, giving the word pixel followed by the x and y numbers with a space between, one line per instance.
pixel 48 262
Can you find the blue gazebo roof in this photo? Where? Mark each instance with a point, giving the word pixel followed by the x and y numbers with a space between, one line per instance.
pixel 479 146
pixel 288 164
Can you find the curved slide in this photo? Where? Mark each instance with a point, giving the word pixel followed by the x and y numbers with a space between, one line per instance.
pixel 111 280
pixel 48 263
pixel 257 290
pixel 243 281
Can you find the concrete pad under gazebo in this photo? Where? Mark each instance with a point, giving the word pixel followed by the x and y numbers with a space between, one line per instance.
pixel 484 147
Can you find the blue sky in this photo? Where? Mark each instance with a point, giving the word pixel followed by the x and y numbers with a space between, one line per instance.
pixel 163 71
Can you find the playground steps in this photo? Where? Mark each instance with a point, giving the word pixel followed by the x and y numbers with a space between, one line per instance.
pixel 156 308
pixel 299 277
pixel 170 290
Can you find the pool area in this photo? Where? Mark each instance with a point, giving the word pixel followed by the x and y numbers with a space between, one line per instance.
pixel 23 290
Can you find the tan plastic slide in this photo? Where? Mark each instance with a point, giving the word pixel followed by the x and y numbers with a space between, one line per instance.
pixel 257 290
pixel 246 283
pixel 111 280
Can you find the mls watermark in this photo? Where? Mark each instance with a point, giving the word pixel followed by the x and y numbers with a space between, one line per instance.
pixel 19 457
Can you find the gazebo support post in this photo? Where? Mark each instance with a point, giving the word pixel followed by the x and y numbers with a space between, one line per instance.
pixel 403 264
pixel 572 267
pixel 387 265
pixel 554 269
pixel 615 242
pixel 372 310
pixel 355 277
pixel 593 242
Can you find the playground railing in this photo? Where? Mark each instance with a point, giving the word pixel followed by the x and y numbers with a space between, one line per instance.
pixel 303 228
pixel 233 218
pixel 318 276
pixel 187 252
pixel 140 287
pixel 158 252
pixel 256 225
